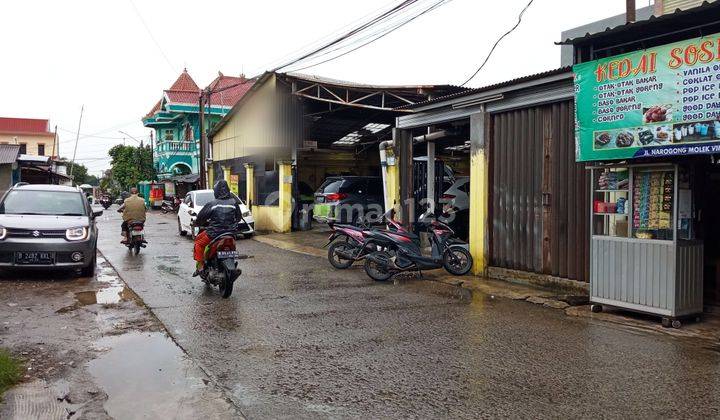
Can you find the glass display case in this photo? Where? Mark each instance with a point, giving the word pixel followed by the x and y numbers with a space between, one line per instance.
pixel 634 202
pixel 611 191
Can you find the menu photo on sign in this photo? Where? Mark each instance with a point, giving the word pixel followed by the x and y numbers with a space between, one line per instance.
pixel 662 101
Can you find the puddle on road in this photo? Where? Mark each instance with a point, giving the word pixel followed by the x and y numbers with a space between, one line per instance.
pixel 145 375
pixel 113 291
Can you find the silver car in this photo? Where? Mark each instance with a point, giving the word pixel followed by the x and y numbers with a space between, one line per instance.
pixel 47 226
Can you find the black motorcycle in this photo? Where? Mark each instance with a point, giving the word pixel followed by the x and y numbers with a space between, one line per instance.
pixel 221 262
pixel 106 202
pixel 135 236
pixel 402 252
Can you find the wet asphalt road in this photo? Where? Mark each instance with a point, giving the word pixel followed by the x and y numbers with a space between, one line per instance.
pixel 300 340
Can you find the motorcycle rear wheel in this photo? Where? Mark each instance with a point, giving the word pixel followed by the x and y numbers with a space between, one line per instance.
pixel 461 265
pixel 334 258
pixel 226 285
pixel 136 245
pixel 376 271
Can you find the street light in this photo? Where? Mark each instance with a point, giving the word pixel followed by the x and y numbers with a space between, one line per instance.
pixel 136 140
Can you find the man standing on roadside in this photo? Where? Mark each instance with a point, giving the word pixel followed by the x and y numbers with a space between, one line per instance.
pixel 133 209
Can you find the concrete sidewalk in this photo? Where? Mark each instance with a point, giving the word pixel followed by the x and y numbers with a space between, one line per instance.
pixel 573 302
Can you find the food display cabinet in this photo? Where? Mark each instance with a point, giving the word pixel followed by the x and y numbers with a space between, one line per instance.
pixel 643 255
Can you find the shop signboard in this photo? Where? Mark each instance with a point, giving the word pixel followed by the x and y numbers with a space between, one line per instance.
pixel 658 102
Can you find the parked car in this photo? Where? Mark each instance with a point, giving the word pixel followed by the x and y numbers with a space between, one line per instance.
pixel 455 204
pixel 48 226
pixel 194 202
pixel 457 197
pixel 344 199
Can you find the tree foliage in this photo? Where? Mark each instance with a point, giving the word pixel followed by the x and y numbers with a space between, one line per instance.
pixel 130 165
pixel 80 173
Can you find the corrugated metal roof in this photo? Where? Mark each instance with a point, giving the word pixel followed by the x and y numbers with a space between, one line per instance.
pixel 705 7
pixel 9 153
pixel 33 158
pixel 260 80
pixel 345 83
pixel 511 82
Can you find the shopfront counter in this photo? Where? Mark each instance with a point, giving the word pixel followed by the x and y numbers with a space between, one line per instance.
pixel 658 277
pixel 642 254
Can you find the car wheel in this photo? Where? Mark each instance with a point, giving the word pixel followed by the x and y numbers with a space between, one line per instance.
pixel 89 271
pixel 181 232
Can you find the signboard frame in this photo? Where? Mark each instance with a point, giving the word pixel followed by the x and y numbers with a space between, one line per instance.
pixel 658 102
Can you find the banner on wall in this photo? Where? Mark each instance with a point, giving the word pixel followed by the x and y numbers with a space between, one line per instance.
pixel 659 102
pixel 234 183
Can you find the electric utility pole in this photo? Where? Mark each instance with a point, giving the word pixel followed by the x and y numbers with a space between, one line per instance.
pixel 77 139
pixel 203 139
pixel 56 146
pixel 152 148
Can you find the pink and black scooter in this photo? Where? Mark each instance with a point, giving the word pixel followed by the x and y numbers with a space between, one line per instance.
pixel 348 242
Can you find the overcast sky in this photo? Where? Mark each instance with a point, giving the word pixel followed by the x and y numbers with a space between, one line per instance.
pixel 59 55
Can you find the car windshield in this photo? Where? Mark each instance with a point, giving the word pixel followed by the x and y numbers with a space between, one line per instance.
pixel 203 198
pixel 55 203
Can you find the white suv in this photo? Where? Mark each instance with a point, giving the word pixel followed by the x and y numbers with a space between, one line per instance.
pixel 194 202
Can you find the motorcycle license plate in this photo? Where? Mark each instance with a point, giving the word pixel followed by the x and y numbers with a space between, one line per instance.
pixel 34 257
pixel 137 233
pixel 228 254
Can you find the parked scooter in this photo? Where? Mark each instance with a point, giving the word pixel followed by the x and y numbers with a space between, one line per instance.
pixel 169 206
pixel 402 252
pixel 347 242
pixel 136 236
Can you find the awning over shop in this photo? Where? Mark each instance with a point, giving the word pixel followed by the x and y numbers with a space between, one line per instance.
pixel 185 179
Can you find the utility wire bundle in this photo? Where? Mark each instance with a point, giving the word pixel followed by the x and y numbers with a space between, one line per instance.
pixel 363 34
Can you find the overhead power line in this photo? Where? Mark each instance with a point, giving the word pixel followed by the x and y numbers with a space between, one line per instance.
pixel 147 28
pixel 83 135
pixel 324 39
pixel 374 36
pixel 359 40
pixel 382 17
pixel 498 42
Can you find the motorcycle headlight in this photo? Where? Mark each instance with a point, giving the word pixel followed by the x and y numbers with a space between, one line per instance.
pixel 246 213
pixel 76 234
pixel 3 233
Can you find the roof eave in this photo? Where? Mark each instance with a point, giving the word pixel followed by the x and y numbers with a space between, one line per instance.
pixel 550 76
pixel 653 20
pixel 256 85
